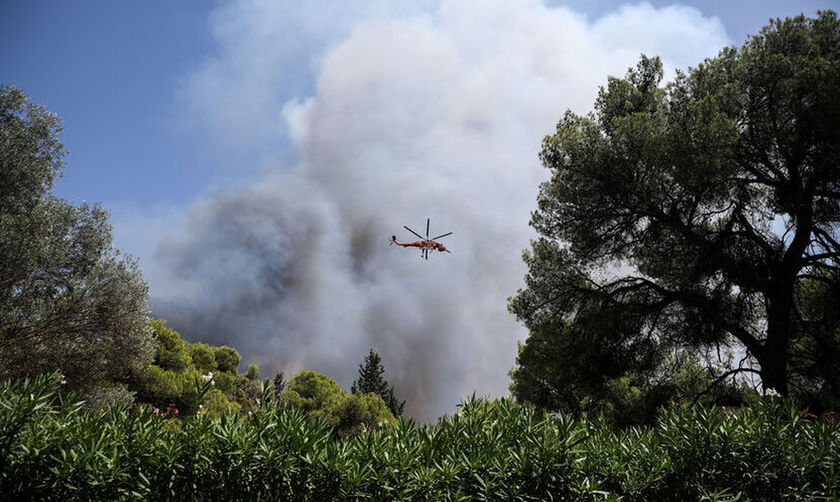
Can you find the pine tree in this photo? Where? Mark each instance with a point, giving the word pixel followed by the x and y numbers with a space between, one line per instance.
pixel 371 380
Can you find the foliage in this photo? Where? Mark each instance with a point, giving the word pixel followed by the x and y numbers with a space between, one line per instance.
pixel 227 359
pixel 686 219
pixel 173 353
pixel 52 449
pixel 218 404
pixel 371 379
pixel 253 372
pixel 546 376
pixel 68 300
pixel 178 365
pixel 816 365
pixel 278 384
pixel 203 356
pixel 323 399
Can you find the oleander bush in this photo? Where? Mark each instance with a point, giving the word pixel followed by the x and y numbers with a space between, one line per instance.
pixel 53 448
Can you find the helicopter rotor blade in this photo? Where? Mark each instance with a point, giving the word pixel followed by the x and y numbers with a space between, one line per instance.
pixel 439 236
pixel 413 232
pixel 427 228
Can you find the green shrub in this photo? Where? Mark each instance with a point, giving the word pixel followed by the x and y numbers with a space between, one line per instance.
pixel 203 357
pixel 178 365
pixel 253 372
pixel 53 448
pixel 227 359
pixel 217 405
pixel 162 385
pixel 318 395
pixel 360 412
pixel 173 353
pixel 323 399
pixel 224 381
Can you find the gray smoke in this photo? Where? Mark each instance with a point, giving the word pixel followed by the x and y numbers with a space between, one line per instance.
pixel 437 115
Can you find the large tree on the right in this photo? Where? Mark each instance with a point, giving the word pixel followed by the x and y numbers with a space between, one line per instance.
pixel 690 218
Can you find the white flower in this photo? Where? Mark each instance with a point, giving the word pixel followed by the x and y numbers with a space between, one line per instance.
pixel 208 377
pixel 200 406
pixel 772 393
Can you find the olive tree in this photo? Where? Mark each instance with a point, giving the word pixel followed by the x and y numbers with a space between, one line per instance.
pixel 68 300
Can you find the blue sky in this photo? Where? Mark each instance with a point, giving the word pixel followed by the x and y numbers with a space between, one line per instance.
pixel 257 156
pixel 111 70
pixel 108 69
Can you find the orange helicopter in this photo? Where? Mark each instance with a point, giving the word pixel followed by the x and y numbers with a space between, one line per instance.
pixel 425 244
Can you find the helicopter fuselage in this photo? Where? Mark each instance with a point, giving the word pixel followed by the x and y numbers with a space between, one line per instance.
pixel 425 244
pixel 420 244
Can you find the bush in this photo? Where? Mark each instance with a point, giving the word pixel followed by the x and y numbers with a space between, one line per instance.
pixel 317 394
pixel 172 353
pixel 178 365
pixel 323 399
pixel 217 405
pixel 55 449
pixel 360 412
pixel 227 359
pixel 253 372
pixel 203 357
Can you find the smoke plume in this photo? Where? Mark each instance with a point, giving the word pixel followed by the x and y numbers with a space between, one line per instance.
pixel 411 114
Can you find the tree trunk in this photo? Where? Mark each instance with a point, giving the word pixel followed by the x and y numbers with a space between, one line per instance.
pixel 774 356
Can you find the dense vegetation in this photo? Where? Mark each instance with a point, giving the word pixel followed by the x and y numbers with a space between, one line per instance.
pixel 69 301
pixel 324 400
pixel 689 223
pixel 168 382
pixel 372 380
pixel 53 449
pixel 716 198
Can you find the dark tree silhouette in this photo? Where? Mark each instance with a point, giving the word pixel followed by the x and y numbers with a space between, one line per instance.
pixel 691 217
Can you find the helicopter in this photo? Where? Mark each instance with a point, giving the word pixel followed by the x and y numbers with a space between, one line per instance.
pixel 425 244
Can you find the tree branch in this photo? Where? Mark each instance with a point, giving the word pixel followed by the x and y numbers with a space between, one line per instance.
pixel 720 379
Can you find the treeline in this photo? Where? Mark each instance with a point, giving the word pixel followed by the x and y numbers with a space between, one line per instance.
pixel 169 386
pixel 71 303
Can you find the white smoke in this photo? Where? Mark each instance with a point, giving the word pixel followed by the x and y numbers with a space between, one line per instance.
pixel 431 112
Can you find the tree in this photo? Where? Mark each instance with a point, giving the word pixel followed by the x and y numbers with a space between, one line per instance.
pixel 203 356
pixel 322 398
pixel 253 372
pixel 686 219
pixel 173 352
pixel 371 380
pixel 560 368
pixel 178 365
pixel 816 367
pixel 227 359
pixel 68 300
